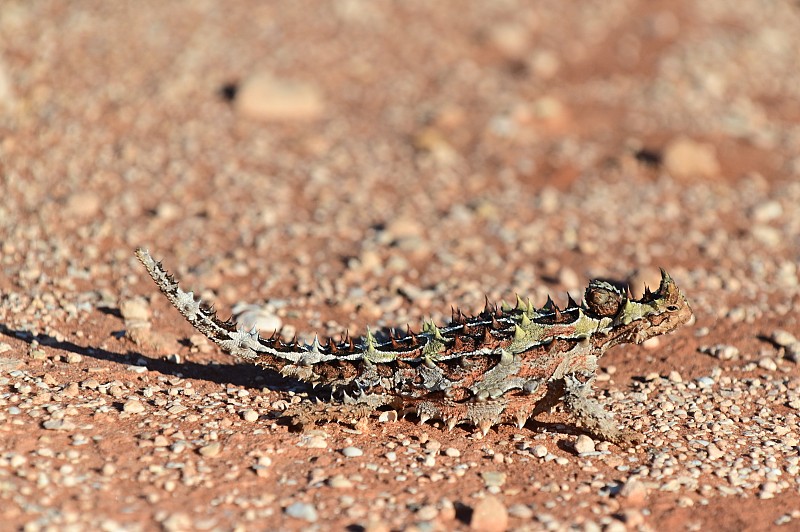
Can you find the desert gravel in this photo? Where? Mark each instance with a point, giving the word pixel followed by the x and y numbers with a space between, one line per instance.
pixel 327 168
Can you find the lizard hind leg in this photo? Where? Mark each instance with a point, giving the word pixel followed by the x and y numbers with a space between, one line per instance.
pixel 354 412
pixel 481 414
pixel 592 415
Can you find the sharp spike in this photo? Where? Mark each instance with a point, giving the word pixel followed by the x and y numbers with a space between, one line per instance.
pixel 549 305
pixel 393 339
pixel 484 426
pixel 369 341
pixel 451 423
pixel 557 314
pixel 571 302
pixel 332 346
pixel 520 303
pixel 487 309
pixel 316 347
pixel 505 307
pixel 414 338
pixel 495 324
pixel 666 280
pixel 423 418
pixel 437 333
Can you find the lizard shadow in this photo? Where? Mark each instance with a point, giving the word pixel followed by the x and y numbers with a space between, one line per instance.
pixel 245 375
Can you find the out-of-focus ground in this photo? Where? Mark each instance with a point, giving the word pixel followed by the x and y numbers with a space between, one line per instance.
pixel 332 166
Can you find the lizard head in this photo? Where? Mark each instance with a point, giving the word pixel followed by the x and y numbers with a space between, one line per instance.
pixel 655 313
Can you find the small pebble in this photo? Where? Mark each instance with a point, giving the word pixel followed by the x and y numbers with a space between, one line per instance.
pixel 134 309
pixel 521 511
pixel 686 158
pixel 266 98
pixel 250 415
pixel 584 444
pixel 211 450
pixel 539 451
pixel 133 406
pixel 427 513
pixel 635 492
pixel 493 478
pixel 177 522
pixel 714 452
pixel 260 317
pixel 489 515
pixel 721 351
pixel 302 510
pixel 768 490
pixel 782 338
pixel 352 452
pixel 339 482
pixel 73 358
pixel 705 382
pixel 767 211
pixel 59 424
pixel 768 364
pixel 83 204
pixel 452 452
pixel 314 442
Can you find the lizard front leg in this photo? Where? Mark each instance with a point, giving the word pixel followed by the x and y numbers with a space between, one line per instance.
pixel 592 415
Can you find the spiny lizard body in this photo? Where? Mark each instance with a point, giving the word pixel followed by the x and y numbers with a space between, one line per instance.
pixel 503 365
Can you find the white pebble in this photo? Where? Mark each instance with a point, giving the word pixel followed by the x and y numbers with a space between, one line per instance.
pixel 584 444
pixel 250 415
pixel 302 510
pixel 352 452
pixel 452 452
pixel 133 407
pixel 540 451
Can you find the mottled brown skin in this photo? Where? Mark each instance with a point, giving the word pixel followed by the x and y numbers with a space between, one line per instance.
pixel 499 366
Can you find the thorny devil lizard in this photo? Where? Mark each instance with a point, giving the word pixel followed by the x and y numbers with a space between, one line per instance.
pixel 502 365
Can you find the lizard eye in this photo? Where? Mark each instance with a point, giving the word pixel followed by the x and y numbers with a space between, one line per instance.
pixel 673 308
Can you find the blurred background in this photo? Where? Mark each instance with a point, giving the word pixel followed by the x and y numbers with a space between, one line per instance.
pixel 364 155
pixel 322 166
